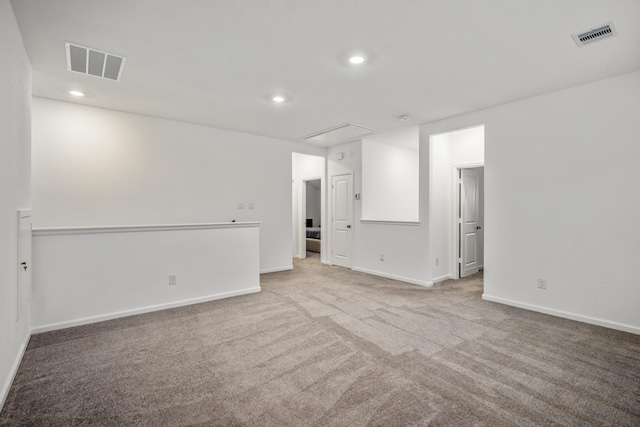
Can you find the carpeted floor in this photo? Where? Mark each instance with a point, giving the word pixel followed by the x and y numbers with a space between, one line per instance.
pixel 325 346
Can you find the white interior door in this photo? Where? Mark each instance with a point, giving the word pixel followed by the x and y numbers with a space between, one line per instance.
pixel 469 222
pixel 342 219
pixel 24 262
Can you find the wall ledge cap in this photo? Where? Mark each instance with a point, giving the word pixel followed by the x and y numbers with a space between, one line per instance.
pixel 53 231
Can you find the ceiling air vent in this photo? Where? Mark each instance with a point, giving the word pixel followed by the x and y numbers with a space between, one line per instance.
pixel 85 60
pixel 595 34
pixel 338 134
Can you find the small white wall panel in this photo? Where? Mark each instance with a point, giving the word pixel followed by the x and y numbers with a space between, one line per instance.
pixel 342 191
pixel 471 256
pixel 341 245
pixel 471 203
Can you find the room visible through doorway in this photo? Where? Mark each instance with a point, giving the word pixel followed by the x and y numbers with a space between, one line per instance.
pixel 308 205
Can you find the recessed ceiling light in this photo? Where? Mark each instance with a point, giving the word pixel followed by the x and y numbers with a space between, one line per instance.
pixel 278 98
pixel 76 93
pixel 356 59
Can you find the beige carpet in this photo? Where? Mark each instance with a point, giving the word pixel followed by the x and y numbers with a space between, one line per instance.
pixel 324 346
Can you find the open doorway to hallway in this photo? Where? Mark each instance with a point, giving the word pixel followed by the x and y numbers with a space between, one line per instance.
pixel 456 203
pixel 313 218
pixel 308 206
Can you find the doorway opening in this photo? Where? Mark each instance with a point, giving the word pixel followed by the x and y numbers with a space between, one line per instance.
pixel 313 218
pixel 456 207
pixel 308 206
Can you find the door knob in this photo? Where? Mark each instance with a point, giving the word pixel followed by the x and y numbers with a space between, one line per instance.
pixel 24 265
pixel 348 225
pixel 478 227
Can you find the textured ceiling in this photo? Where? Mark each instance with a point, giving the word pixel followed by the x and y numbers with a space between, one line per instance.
pixel 217 63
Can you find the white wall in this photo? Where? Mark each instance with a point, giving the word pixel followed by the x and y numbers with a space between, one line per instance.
pixel 467 146
pixel 561 174
pixel 89 275
pixel 447 152
pixel 15 141
pixel 560 180
pixel 389 182
pixel 93 166
pixel 404 246
pixel 441 243
pixel 305 167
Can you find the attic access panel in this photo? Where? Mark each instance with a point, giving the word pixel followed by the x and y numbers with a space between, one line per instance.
pixel 336 135
pixel 94 62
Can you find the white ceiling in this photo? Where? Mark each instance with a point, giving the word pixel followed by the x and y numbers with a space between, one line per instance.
pixel 218 62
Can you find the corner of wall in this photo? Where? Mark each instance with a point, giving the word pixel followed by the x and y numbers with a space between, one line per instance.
pixel 15 164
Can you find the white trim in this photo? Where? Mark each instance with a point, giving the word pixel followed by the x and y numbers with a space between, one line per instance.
pixel 277 269
pixel 52 231
pixel 385 222
pixel 302 220
pixel 148 309
pixel 442 278
pixel 394 277
pixel 469 165
pixel 565 314
pixel 14 370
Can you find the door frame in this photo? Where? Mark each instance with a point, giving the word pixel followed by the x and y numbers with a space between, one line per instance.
pixel 331 214
pixel 456 200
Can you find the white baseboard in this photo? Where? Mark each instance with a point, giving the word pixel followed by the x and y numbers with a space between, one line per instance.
pixel 442 278
pixel 14 370
pixel 394 277
pixel 276 269
pixel 565 314
pixel 148 309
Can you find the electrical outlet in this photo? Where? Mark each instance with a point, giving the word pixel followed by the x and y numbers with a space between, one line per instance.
pixel 173 279
pixel 542 283
pixel 381 257
pixel 437 261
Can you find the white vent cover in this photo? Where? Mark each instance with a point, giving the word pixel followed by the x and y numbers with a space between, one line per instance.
pixel 335 135
pixel 85 60
pixel 595 34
